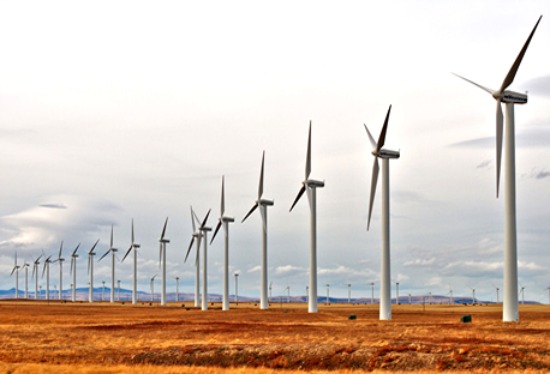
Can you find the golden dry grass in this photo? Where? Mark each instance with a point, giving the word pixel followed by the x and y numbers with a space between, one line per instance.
pixel 104 338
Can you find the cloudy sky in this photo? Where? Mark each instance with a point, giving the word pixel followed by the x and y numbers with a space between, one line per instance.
pixel 128 109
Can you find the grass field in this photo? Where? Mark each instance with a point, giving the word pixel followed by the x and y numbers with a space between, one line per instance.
pixel 105 338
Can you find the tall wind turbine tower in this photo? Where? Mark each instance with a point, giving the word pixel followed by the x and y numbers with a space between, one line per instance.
pixel 311 185
pixel 35 271
pixel 224 221
pixel 510 308
pixel 196 236
pixel 74 256
pixel 113 252
pixel 16 271
pixel 262 203
pixel 133 246
pixel 91 255
pixel 162 262
pixel 204 232
pixel 385 155
pixel 60 259
pixel 46 269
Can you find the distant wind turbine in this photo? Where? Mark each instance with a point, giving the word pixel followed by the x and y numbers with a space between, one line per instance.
pixel 74 256
pixel 46 269
pixel 60 259
pixel 26 267
pixel 196 237
pixel 133 246
pixel 35 271
pixel 204 232
pixel 162 262
pixel 113 252
pixel 262 204
pixel 91 255
pixel 385 155
pixel 224 221
pixel 310 186
pixel 16 271
pixel 153 287
pixel 510 309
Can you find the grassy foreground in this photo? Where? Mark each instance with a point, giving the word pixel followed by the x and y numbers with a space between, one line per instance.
pixel 104 338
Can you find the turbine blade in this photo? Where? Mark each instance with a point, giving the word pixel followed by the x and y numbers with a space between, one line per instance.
pixel 160 254
pixel 111 245
pixel 250 212
pixel 75 250
pixel 189 249
pixel 60 250
pixel 127 253
pixel 13 271
pixel 203 224
pixel 371 139
pixel 261 186
pixel 193 220
pixel 216 231
pixel 499 141
pixel 382 137
pixel 133 238
pixel 93 247
pixel 105 254
pixel 373 183
pixel 514 69
pixel 300 193
pixel 492 92
pixel 223 197
pixel 308 156
pixel 164 229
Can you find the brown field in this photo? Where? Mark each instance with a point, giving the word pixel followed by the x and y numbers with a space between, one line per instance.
pixel 103 338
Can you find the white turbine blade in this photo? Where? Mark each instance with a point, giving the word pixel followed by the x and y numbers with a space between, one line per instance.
pixel 499 131
pixel 133 238
pixel 105 254
pixel 111 245
pixel 373 184
pixel 308 156
pixel 223 197
pixel 189 249
pixel 492 92
pixel 203 224
pixel 371 139
pixel 164 229
pixel 382 137
pixel 93 247
pixel 193 220
pixel 60 250
pixel 127 253
pixel 217 229
pixel 261 184
pixel 514 69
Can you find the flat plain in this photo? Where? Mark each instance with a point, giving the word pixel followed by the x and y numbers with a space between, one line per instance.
pixel 112 338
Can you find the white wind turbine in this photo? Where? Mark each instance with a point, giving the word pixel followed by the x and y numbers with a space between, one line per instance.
pixel 74 256
pixel 26 267
pixel 133 246
pixel 46 269
pixel 224 220
pixel 35 271
pixel 311 185
pixel 16 271
pixel 204 232
pixel 196 236
pixel 510 309
pixel 91 255
pixel 162 262
pixel 60 259
pixel 385 155
pixel 262 204
pixel 113 252
pixel 153 287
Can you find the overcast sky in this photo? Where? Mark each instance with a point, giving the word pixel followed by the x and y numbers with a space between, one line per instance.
pixel 113 110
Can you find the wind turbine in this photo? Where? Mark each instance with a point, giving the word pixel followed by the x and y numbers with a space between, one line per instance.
pixel 311 185
pixel 16 271
pixel 385 155
pixel 162 262
pixel 74 256
pixel 262 204
pixel 26 267
pixel 177 289
pixel 113 252
pixel 197 235
pixel 133 246
pixel 224 221
pixel 91 255
pixel 204 232
pixel 46 269
pixel 61 260
pixel 35 271
pixel 153 287
pixel 510 308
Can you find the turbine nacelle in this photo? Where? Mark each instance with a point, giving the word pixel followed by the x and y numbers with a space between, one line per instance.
pixel 312 183
pixel 511 97
pixel 386 153
pixel 266 202
pixel 227 219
